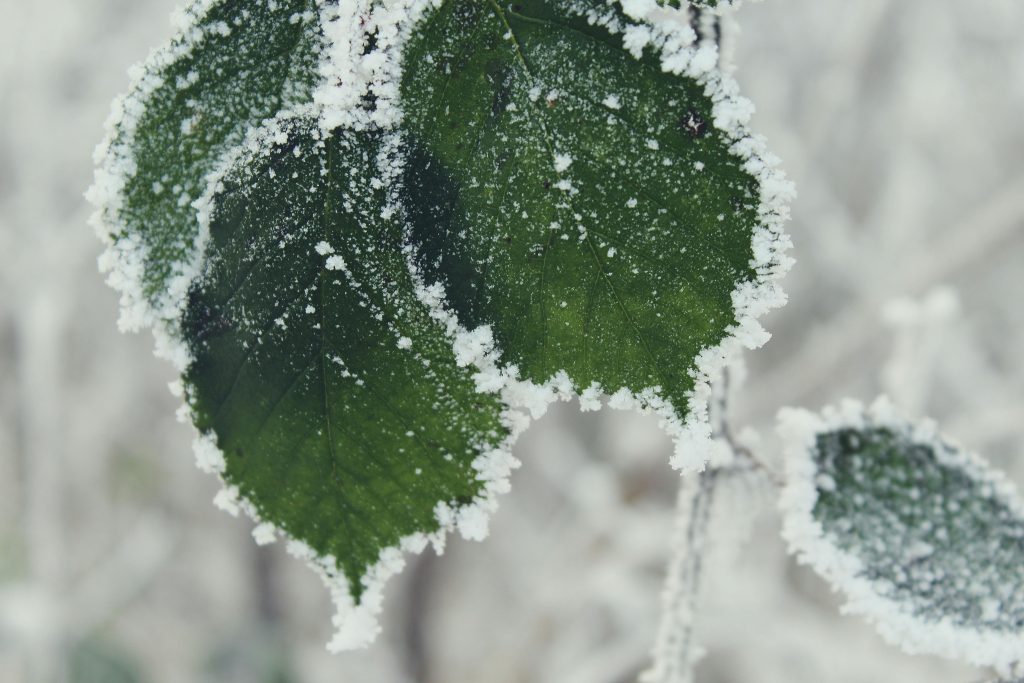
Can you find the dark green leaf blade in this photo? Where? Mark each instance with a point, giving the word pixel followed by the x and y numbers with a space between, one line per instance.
pixel 232 64
pixel 334 397
pixel 579 200
pixel 924 539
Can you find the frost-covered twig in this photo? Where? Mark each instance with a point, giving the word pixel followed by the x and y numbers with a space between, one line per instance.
pixel 742 457
pixel 674 651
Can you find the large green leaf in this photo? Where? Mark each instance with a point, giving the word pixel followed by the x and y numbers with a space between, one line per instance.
pixel 576 199
pixel 925 539
pixel 333 395
pixel 232 64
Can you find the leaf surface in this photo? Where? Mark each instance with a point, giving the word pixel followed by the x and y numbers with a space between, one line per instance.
pixel 925 539
pixel 577 199
pixel 232 64
pixel 333 395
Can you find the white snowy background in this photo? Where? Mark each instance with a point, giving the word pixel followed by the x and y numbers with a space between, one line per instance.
pixel 902 123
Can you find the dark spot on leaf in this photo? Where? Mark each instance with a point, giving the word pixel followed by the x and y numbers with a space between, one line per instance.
pixel 693 124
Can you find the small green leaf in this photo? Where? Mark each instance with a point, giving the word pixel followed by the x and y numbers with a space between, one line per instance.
pixel 925 539
pixel 575 198
pixel 334 396
pixel 232 64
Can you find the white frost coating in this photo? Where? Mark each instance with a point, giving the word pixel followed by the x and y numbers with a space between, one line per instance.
pixel 342 81
pixel 612 101
pixel 590 398
pixel 808 540
pixel 264 534
pixel 350 71
pixel 334 262
pixel 209 458
pixel 562 162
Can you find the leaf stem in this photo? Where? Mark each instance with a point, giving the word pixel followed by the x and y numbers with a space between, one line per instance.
pixel 674 649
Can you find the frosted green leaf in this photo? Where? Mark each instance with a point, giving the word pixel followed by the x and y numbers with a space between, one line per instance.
pixel 232 64
pixel 575 198
pixel 924 539
pixel 333 395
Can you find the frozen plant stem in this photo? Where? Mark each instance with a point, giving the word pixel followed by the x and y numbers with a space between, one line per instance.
pixel 674 651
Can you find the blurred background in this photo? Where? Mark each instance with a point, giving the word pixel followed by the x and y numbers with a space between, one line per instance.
pixel 902 124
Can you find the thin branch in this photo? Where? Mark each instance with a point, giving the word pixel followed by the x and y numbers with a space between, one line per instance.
pixel 721 429
pixel 674 646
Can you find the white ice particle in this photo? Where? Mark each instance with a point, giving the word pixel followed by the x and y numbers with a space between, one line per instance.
pixel 612 101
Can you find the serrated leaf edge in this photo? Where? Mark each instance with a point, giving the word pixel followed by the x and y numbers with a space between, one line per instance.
pixel 808 541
